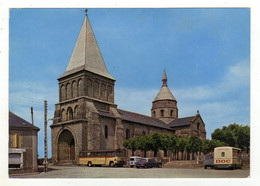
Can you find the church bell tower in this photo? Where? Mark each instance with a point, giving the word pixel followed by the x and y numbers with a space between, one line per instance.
pixel 165 105
pixel 86 91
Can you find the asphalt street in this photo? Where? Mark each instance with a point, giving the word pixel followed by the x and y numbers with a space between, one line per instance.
pixel 125 172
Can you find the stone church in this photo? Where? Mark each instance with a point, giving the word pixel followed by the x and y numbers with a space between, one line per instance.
pixel 86 116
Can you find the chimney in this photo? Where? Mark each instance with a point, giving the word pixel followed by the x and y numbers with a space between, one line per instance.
pixel 198 111
pixel 32 114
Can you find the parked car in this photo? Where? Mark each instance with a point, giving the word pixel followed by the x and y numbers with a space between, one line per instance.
pixel 208 161
pixel 148 163
pixel 133 160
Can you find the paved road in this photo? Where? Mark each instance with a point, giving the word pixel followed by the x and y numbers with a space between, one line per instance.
pixel 124 172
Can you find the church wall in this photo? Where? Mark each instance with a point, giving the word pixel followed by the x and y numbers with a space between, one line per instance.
pixel 169 109
pixel 86 84
pixel 76 130
pixel 198 128
pixel 182 131
pixel 137 129
pixel 109 142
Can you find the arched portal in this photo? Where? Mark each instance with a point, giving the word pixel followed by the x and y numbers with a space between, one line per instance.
pixel 66 146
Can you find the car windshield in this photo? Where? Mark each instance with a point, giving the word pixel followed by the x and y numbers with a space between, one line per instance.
pixel 143 160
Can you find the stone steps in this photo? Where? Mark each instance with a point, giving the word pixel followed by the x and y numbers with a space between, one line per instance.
pixel 183 164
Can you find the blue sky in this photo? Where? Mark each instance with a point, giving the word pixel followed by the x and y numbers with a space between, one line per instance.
pixel 206 54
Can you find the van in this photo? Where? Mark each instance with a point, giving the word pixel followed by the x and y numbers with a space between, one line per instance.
pixel 227 157
pixel 133 160
pixel 208 161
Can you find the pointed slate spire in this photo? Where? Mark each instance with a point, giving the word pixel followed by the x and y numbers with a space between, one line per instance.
pixel 86 54
pixel 164 93
pixel 164 79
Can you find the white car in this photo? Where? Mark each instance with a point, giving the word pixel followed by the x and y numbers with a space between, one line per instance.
pixel 133 160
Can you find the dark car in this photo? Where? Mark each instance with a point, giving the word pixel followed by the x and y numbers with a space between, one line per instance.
pixel 208 161
pixel 148 163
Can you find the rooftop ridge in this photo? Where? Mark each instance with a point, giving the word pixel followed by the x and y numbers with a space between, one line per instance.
pixel 137 113
pixel 20 118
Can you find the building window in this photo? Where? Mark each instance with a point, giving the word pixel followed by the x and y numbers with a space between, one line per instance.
pixel 106 131
pixel 16 140
pixel 171 113
pixel 198 126
pixel 127 134
pixel 70 114
pixel 165 153
pixel 143 133
pixel 162 113
pixel 222 154
pixel 154 115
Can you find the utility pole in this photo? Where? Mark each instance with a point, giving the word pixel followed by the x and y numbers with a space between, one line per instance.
pixel 45 162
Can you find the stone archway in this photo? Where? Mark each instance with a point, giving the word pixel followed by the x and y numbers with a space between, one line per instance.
pixel 66 146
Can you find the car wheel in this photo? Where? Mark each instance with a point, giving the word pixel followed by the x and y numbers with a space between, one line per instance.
pixel 90 164
pixel 111 164
pixel 131 166
pixel 205 167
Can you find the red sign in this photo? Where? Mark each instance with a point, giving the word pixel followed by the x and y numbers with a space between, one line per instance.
pixel 223 161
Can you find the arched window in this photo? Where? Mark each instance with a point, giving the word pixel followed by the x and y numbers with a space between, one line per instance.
pixel 109 93
pixel 70 113
pixel 162 113
pixel 154 114
pixel 68 89
pixel 103 91
pixel 62 93
pixel 63 115
pixel 171 113
pixel 106 131
pixel 80 88
pixel 89 88
pixel 74 90
pixel 198 126
pixel 96 89
pixel 127 134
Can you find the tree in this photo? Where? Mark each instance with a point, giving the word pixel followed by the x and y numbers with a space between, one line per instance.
pixel 243 138
pixel 173 144
pixel 142 143
pixel 206 148
pixel 165 142
pixel 131 144
pixel 233 135
pixel 194 145
pixel 182 145
pixel 154 143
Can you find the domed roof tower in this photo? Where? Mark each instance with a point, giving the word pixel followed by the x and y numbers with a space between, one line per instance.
pixel 165 105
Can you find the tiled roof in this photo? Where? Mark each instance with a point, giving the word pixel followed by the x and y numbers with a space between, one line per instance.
pixel 16 121
pixel 142 119
pixel 181 121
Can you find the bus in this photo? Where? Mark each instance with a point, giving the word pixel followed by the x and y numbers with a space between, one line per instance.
pixel 110 158
pixel 227 157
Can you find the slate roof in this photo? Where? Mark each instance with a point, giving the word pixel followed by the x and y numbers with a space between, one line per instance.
pixel 181 121
pixel 164 93
pixel 86 53
pixel 106 114
pixel 16 121
pixel 142 119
